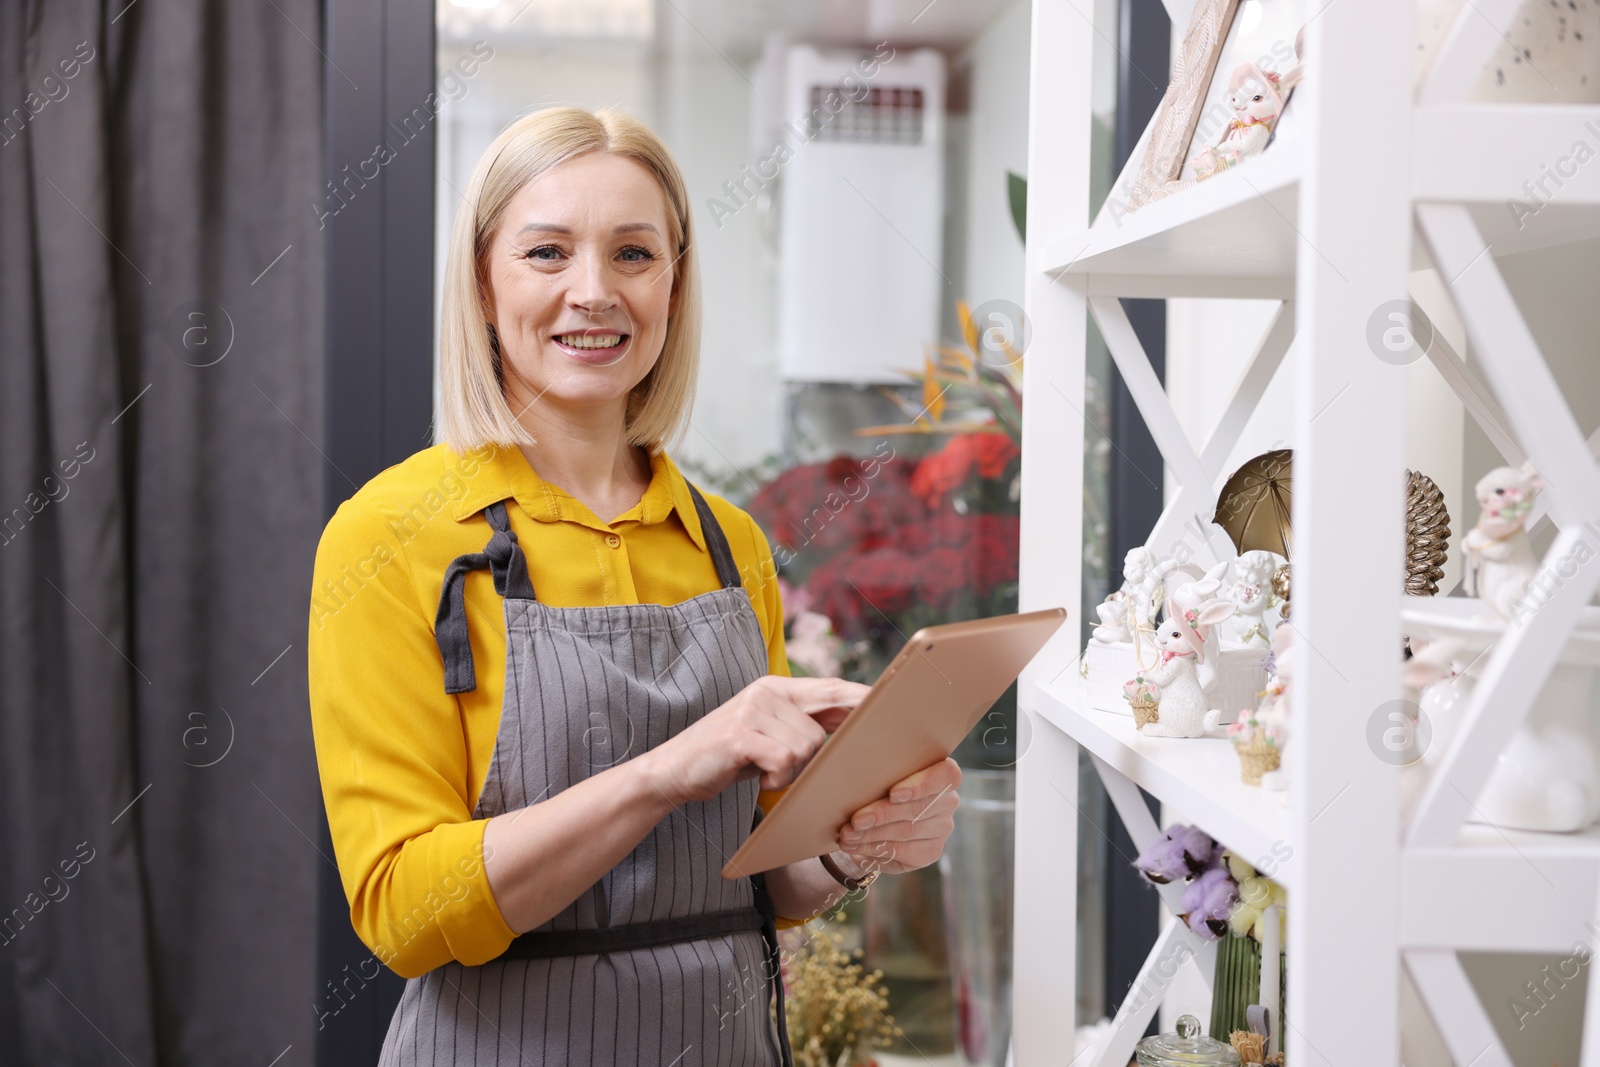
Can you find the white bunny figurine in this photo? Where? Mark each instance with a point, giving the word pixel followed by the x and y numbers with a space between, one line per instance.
pixel 1256 102
pixel 1189 653
pixel 1500 561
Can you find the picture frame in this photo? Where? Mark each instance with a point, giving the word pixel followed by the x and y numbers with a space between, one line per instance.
pixel 1223 36
pixel 1173 126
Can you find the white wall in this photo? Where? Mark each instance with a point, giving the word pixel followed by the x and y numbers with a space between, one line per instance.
pixel 996 132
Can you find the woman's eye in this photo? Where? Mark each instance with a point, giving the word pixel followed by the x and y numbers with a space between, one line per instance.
pixel 635 254
pixel 543 252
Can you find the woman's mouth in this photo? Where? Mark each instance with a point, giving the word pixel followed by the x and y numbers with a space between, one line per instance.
pixel 592 346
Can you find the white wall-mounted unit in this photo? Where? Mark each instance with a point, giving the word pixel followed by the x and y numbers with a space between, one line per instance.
pixel 861 158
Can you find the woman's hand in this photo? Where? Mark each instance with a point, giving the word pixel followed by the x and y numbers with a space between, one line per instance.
pixel 772 727
pixel 908 828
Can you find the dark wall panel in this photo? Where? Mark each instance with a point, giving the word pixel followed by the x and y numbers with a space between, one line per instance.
pixel 378 217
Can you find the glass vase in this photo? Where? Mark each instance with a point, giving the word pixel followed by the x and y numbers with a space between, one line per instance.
pixel 977 871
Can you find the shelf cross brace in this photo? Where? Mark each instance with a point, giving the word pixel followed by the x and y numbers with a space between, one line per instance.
pixel 1525 655
pixel 1479 27
pixel 1457 1012
pixel 1173 948
pixel 1196 474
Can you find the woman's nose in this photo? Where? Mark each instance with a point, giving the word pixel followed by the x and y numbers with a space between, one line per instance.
pixel 591 288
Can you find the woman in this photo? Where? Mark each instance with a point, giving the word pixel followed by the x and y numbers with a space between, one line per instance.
pixel 547 673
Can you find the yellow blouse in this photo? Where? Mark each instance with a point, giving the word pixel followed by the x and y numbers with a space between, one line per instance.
pixel 402 762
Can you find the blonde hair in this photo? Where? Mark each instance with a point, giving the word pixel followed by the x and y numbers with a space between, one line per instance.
pixel 472 406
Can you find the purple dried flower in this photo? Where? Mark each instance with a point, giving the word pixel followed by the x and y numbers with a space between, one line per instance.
pixel 1208 901
pixel 1178 855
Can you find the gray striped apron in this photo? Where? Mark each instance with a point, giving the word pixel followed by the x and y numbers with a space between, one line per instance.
pixel 663 961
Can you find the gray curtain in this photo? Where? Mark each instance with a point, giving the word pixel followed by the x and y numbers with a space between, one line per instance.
pixel 160 500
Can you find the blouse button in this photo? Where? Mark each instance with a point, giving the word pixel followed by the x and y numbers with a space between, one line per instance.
pixel 613 540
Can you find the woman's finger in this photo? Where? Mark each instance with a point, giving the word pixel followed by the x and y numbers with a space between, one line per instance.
pixel 885 813
pixel 820 694
pixel 913 795
pixel 797 732
pixel 932 828
pixel 830 719
pixel 930 781
pixel 774 758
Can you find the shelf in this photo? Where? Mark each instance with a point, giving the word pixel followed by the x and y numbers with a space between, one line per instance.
pixel 1501 891
pixel 1231 235
pixel 1236 234
pixel 1532 191
pixel 1197 777
pixel 1466 619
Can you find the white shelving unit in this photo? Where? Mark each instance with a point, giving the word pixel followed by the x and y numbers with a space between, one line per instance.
pixel 1380 179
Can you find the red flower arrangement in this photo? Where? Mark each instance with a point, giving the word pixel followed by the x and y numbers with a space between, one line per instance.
pixel 988 455
pixel 880 546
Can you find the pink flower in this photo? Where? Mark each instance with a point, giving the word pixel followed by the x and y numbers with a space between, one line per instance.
pixel 813 645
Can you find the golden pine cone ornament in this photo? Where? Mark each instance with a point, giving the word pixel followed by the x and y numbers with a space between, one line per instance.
pixel 1427 535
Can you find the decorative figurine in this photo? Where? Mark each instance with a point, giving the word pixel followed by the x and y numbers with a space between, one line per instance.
pixel 1250 593
pixel 1427 535
pixel 1113 612
pixel 1144 698
pixel 1274 709
pixel 1253 94
pixel 1189 655
pixel 1144 577
pixel 1281 590
pixel 1500 561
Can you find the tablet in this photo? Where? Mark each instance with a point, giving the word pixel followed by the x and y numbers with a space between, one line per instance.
pixel 926 701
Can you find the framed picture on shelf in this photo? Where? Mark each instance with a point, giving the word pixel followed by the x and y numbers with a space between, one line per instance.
pixel 1238 65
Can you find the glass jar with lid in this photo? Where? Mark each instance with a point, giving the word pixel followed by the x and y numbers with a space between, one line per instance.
pixel 1186 1048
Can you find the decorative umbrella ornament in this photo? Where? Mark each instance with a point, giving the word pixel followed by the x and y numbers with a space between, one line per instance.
pixel 1254 508
pixel 1254 505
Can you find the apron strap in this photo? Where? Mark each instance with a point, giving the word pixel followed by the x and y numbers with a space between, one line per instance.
pixel 504 559
pixel 716 541
pixel 549 944
pixel 769 934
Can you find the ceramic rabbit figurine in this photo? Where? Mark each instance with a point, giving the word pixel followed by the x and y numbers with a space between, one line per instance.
pixel 1500 561
pixel 1253 95
pixel 1189 653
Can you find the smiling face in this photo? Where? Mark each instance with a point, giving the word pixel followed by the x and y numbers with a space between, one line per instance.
pixel 578 281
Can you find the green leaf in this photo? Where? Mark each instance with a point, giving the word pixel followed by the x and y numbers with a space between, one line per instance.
pixel 1017 191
